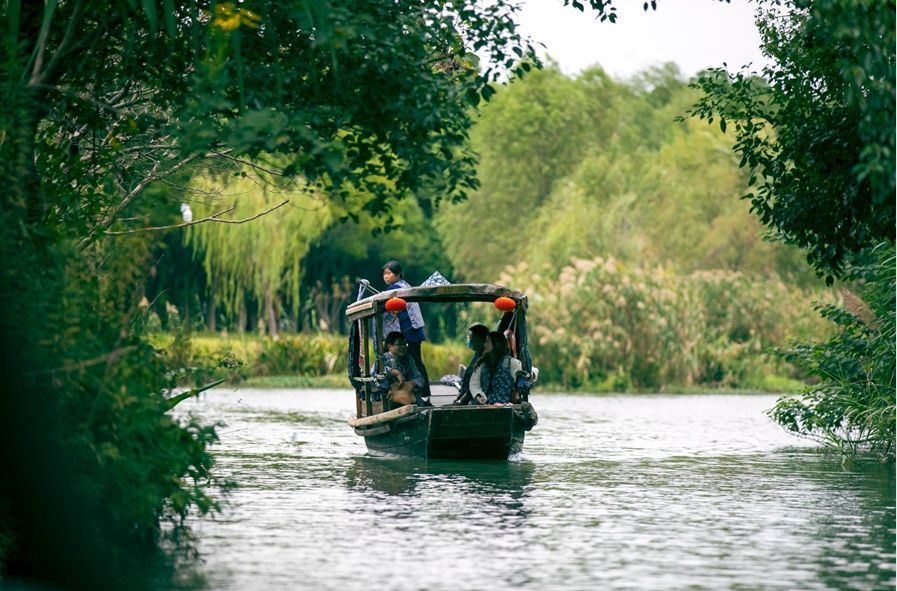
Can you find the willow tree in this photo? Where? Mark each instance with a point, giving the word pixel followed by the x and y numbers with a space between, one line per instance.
pixel 262 258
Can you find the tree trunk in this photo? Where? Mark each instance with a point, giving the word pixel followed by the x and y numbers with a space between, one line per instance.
pixel 242 318
pixel 212 311
pixel 185 312
pixel 270 313
pixel 17 154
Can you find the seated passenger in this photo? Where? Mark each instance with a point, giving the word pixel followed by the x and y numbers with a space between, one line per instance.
pixel 403 379
pixel 476 340
pixel 494 381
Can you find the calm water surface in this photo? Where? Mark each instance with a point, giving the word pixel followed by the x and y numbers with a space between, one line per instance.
pixel 618 492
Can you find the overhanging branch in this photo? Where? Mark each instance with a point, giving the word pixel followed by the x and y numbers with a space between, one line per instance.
pixel 212 218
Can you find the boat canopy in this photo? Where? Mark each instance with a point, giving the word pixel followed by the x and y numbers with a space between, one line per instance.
pixel 458 292
pixel 366 326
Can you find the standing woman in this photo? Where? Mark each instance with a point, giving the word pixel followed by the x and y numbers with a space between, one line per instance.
pixel 409 321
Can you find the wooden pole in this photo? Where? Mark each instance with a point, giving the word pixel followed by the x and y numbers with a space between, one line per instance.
pixel 367 368
pixel 378 344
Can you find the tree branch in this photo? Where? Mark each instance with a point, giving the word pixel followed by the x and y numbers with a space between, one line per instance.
pixel 41 46
pixel 152 176
pixel 37 77
pixel 212 218
pixel 75 366
pixel 246 162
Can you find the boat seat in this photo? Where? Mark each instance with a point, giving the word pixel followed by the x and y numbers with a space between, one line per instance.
pixel 442 394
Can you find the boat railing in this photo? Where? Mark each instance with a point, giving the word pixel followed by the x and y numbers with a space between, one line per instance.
pixel 370 379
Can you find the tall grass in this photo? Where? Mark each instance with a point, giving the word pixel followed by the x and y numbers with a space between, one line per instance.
pixel 599 323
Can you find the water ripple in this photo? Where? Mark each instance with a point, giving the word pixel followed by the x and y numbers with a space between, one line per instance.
pixel 622 492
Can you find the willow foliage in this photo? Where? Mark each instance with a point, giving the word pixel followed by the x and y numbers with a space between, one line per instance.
pixel 263 257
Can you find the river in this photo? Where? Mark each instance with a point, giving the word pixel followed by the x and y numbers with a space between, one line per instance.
pixel 610 492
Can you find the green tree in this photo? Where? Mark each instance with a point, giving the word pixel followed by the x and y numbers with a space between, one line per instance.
pixel 625 178
pixel 816 129
pixel 347 251
pixel 263 258
pixel 528 138
pixel 816 133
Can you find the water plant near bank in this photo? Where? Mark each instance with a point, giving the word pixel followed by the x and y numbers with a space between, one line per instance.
pixel 852 407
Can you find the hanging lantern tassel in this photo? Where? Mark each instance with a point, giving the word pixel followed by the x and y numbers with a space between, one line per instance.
pixel 395 305
pixel 505 304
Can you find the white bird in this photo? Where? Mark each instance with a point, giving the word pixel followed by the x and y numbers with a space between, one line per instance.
pixel 186 212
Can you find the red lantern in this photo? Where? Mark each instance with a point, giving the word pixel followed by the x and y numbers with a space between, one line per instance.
pixel 395 305
pixel 505 304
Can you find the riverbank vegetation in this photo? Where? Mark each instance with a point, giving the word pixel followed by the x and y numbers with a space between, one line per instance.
pixel 816 134
pixel 635 226
pixel 170 169
pixel 598 325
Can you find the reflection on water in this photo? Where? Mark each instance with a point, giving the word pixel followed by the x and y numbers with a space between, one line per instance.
pixel 648 492
pixel 400 476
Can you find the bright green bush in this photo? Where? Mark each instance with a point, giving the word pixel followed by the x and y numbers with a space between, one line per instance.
pixel 238 357
pixel 444 358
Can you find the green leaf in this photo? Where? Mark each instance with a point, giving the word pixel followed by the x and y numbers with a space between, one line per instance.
pixel 175 400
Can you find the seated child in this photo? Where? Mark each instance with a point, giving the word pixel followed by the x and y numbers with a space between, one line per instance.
pixel 403 379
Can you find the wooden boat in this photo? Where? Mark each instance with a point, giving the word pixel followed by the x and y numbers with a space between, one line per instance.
pixel 442 430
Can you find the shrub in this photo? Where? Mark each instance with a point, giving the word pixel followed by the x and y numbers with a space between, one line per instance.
pixel 443 359
pixel 852 407
pixel 299 354
pixel 239 357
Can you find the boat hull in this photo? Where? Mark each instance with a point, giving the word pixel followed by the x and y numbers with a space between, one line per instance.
pixel 452 432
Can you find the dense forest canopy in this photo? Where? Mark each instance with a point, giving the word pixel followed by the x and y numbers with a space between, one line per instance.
pixel 591 166
pixel 569 167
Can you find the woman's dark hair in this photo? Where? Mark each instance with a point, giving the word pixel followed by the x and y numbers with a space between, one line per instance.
pixel 499 351
pixel 394 336
pixel 395 267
